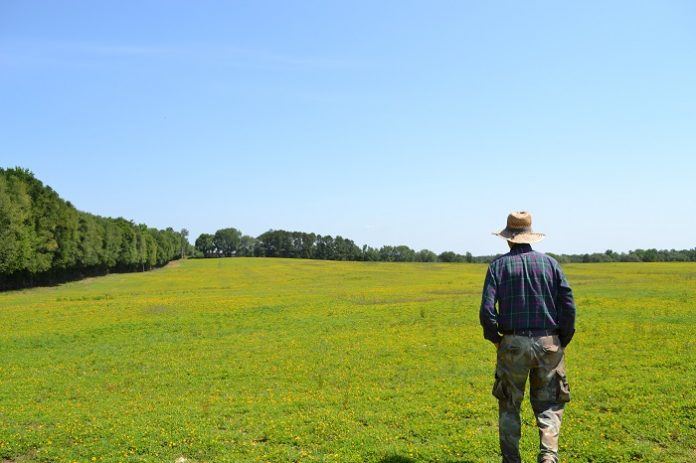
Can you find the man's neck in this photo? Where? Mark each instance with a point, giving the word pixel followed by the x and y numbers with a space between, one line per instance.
pixel 517 248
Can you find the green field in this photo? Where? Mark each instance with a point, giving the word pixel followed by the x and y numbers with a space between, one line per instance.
pixel 235 360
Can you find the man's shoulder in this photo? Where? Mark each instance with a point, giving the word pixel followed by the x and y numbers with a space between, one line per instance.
pixel 547 260
pixel 533 254
pixel 498 259
pixel 542 256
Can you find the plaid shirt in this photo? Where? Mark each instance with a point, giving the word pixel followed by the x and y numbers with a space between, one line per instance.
pixel 532 294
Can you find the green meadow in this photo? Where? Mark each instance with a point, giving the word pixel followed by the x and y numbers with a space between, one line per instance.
pixel 284 360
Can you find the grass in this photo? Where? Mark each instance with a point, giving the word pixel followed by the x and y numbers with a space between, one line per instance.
pixel 246 360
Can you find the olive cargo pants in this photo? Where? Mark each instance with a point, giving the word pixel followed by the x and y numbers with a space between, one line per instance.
pixel 542 360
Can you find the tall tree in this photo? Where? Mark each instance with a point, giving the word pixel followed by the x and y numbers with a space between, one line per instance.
pixel 227 240
pixel 205 244
pixel 16 228
pixel 184 241
pixel 246 246
pixel 426 255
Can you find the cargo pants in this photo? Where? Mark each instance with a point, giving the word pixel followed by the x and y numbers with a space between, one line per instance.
pixel 542 360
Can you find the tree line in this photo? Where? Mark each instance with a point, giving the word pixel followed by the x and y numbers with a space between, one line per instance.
pixel 637 255
pixel 230 242
pixel 44 239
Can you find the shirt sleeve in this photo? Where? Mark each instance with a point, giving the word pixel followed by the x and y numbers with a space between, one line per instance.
pixel 488 315
pixel 565 307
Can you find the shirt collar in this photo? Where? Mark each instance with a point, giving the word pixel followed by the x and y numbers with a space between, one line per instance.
pixel 520 248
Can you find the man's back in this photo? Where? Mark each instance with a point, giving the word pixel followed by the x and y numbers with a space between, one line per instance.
pixel 532 294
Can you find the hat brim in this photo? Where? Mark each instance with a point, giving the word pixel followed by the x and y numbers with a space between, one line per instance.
pixel 520 238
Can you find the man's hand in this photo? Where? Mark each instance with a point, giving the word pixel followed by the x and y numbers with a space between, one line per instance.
pixel 497 345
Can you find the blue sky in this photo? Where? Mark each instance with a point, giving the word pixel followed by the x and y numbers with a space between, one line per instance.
pixel 417 123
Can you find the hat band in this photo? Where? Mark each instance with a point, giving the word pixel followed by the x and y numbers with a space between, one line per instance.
pixel 517 231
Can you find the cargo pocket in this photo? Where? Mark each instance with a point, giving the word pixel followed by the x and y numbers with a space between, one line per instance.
pixel 498 388
pixel 563 387
pixel 550 344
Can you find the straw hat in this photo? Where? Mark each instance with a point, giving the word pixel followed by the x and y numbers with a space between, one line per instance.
pixel 519 229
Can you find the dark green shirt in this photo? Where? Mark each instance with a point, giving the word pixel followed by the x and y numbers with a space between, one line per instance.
pixel 531 293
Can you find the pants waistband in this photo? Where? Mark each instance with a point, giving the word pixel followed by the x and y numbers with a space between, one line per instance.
pixel 531 333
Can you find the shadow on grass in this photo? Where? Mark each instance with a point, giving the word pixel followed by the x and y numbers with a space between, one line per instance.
pixel 401 459
pixel 396 459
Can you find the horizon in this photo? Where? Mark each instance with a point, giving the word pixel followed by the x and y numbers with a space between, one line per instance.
pixel 191 240
pixel 420 125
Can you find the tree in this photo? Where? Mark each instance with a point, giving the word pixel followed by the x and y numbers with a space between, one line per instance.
pixel 346 249
pixel 246 246
pixel 387 253
pixel 184 241
pixel 113 236
pixel 325 248
pixel 206 244
pixel 226 241
pixel 426 255
pixel 91 241
pixel 305 244
pixel 273 243
pixel 128 253
pixel 405 254
pixel 397 254
pixel 370 254
pixel 16 231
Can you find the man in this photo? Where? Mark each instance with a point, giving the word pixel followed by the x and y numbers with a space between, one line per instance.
pixel 533 323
